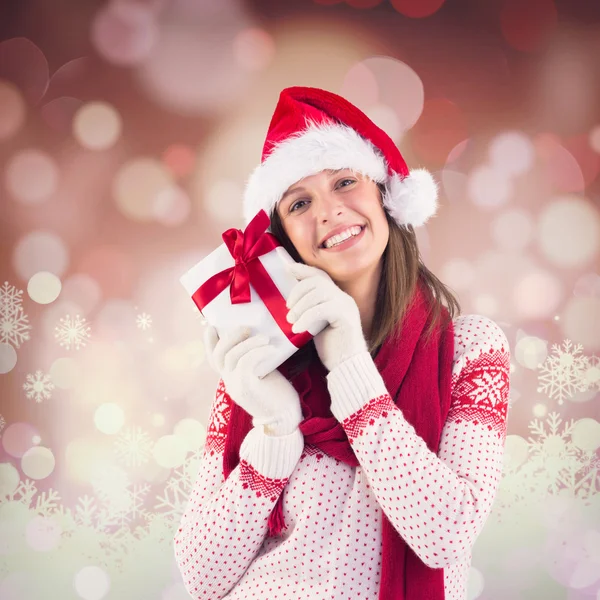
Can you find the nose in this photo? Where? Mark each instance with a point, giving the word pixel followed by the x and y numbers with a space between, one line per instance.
pixel 328 206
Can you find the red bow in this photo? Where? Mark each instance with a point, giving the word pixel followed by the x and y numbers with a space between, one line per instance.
pixel 245 247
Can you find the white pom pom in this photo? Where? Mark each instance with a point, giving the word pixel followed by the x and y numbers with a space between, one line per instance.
pixel 412 200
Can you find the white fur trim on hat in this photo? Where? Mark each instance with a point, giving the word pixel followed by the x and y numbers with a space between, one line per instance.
pixel 321 146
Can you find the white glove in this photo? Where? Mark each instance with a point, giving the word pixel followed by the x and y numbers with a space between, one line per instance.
pixel 271 401
pixel 316 297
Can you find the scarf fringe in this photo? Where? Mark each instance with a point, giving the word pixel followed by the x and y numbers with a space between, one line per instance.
pixel 276 520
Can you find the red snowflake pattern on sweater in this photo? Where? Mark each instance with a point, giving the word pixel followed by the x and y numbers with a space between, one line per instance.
pixel 355 424
pixel 217 423
pixel 260 485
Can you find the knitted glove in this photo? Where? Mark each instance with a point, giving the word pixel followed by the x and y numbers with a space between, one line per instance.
pixel 316 298
pixel 272 401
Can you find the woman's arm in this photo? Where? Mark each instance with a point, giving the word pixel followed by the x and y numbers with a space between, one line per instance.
pixel 438 503
pixel 225 521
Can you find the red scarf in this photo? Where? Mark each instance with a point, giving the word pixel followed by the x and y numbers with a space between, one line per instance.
pixel 408 367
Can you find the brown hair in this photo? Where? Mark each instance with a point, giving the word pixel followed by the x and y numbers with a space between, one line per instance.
pixel 402 268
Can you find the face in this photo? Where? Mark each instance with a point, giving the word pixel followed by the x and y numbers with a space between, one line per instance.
pixel 329 202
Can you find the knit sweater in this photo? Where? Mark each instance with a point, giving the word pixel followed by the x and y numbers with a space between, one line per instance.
pixel 332 545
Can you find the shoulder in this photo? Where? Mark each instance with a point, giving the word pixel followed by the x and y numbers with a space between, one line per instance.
pixel 477 337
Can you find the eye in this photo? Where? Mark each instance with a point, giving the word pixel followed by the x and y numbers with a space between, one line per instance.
pixel 343 181
pixel 296 204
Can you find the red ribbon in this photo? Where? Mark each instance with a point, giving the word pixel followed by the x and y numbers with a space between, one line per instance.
pixel 245 247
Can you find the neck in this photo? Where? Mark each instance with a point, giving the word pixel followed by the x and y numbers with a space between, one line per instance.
pixel 364 291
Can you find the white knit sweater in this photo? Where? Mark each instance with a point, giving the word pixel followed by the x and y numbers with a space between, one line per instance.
pixel 332 545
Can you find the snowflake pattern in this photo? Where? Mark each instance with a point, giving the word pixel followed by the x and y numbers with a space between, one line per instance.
pixel 72 332
pixel 10 299
pixel 564 372
pixel 133 447
pixel 144 321
pixel 2 422
pixel 38 386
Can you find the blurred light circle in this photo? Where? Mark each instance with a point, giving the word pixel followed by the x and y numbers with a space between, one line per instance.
pixel 82 290
pixel 485 304
pixel 158 420
pixel 560 167
pixel 97 126
pixel 586 434
pixel 591 376
pixel 12 109
pixel 457 151
pixel 172 206
pixel 476 583
pixel 458 274
pixel 9 479
pixel 138 184
pixel 83 455
pixel 589 162
pixel 439 129
pixel 208 82
pixel 537 295
pixel 8 358
pixel 488 188
pixel 531 352
pixel 253 49
pixel 43 533
pixel 454 185
pixel 111 269
pixel 513 230
pixel 179 159
pixel 587 285
pixel 594 139
pixel 38 462
pixel 528 27
pixel 386 81
pixel 516 451
pixel 569 232
pixel 223 200
pixel 31 176
pixel 169 451
pixel 65 373
pixel 385 118
pixel 91 583
pixel 417 9
pixel 539 410
pixel 40 251
pixel 37 440
pixel 17 438
pixel 512 153
pixel 581 322
pixel 60 112
pixel 23 63
pixel 124 33
pixel 44 287
pixel 109 418
pixel 191 432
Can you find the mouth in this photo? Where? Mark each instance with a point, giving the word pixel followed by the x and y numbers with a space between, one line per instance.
pixel 347 242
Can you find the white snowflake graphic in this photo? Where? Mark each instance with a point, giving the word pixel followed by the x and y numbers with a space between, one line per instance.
pixel 14 328
pixel 10 299
pixel 563 372
pixel 144 321
pixel 2 422
pixel 72 332
pixel 133 447
pixel 591 376
pixel 38 386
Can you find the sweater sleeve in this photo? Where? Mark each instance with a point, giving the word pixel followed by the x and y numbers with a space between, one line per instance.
pixel 225 521
pixel 437 503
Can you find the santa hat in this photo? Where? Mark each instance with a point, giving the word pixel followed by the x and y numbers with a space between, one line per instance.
pixel 312 130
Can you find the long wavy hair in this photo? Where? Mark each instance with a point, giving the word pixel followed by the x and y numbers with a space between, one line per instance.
pixel 402 269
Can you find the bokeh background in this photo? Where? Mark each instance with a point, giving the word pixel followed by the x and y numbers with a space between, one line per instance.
pixel 127 131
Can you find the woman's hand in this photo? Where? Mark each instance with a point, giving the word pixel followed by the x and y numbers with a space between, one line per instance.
pixel 272 401
pixel 316 298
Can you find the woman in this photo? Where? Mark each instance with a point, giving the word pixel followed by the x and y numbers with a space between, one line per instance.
pixel 366 465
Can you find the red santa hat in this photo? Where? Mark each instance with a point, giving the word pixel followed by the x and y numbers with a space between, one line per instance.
pixel 312 130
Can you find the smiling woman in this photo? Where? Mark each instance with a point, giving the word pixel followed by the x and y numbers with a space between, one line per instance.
pixel 378 446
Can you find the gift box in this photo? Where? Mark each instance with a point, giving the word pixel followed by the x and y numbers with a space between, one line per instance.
pixel 245 282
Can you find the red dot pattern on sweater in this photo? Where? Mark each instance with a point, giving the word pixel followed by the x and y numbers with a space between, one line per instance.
pixel 332 545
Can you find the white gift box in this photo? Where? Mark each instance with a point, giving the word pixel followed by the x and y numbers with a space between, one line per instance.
pixel 224 315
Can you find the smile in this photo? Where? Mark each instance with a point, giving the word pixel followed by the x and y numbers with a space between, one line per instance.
pixel 347 243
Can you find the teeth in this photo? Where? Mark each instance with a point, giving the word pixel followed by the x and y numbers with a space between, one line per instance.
pixel 341 237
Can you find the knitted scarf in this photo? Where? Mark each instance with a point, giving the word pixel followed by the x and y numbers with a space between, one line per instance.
pixel 417 377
